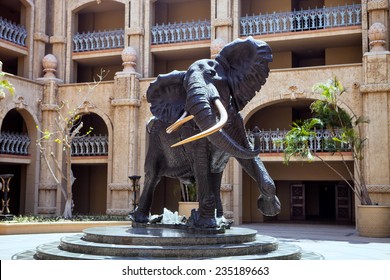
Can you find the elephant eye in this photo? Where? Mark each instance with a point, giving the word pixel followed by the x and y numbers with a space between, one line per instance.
pixel 211 63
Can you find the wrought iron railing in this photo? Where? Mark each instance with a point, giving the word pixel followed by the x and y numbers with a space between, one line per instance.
pixel 181 32
pixel 99 40
pixel 95 145
pixel 14 143
pixel 12 32
pixel 312 19
pixel 271 141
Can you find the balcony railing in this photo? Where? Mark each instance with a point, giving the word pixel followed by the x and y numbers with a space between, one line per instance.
pixel 12 32
pixel 181 32
pixel 95 145
pixel 100 40
pixel 14 143
pixel 271 141
pixel 312 19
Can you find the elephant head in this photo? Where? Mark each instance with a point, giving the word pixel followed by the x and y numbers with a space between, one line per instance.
pixel 212 89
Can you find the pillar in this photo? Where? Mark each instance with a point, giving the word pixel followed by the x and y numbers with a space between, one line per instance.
pixel 126 103
pixel 39 36
pixel 376 100
pixel 49 191
pixel 222 19
pixel 135 30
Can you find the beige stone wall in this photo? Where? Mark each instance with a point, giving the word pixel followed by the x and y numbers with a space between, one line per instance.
pixel 120 100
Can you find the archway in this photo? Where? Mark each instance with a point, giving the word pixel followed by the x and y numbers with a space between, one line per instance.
pixel 308 191
pixel 17 157
pixel 90 167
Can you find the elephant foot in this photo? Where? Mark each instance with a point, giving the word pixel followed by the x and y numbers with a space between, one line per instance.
pixel 197 221
pixel 268 205
pixel 139 217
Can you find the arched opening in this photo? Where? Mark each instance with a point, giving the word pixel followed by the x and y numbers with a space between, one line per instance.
pixel 16 156
pixel 186 22
pixel 14 21
pixel 307 191
pixel 94 34
pixel 90 167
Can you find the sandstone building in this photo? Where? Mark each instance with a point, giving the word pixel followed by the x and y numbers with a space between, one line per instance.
pixel 53 50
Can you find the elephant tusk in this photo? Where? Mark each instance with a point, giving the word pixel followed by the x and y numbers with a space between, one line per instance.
pixel 182 120
pixel 222 121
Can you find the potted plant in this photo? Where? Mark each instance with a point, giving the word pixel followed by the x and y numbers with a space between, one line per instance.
pixel 189 198
pixel 345 131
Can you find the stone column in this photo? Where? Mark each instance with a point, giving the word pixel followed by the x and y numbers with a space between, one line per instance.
pixel 40 38
pixel 376 99
pixel 126 103
pixel 49 191
pixel 59 39
pixel 135 31
pixel 222 19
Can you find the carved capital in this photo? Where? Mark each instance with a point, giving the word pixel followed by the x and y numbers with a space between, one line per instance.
pixel 39 36
pixel 57 39
pixel 219 22
pixel 226 187
pixel 135 31
pixel 126 102
pixel 369 88
pixel 120 187
pixel 48 187
pixel 49 107
pixel 378 188
pixel 377 5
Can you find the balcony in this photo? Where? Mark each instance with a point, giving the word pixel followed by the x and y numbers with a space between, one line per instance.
pixel 12 143
pixel 312 19
pixel 181 32
pixel 271 141
pixel 96 145
pixel 12 32
pixel 100 40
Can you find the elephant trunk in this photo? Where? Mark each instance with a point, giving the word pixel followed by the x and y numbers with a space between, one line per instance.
pixel 199 105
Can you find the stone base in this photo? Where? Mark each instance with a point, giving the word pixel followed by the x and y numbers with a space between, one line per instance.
pixel 166 243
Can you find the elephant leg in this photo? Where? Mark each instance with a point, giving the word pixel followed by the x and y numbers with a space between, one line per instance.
pixel 268 203
pixel 205 217
pixel 141 214
pixel 216 185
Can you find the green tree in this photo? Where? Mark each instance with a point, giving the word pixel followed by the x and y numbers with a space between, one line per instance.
pixel 345 129
pixel 5 85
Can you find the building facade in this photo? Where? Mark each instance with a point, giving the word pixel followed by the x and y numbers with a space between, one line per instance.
pixel 52 51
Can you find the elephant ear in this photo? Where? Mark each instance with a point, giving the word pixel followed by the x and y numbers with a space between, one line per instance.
pixel 167 96
pixel 246 65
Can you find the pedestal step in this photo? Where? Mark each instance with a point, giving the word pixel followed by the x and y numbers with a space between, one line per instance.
pixel 149 243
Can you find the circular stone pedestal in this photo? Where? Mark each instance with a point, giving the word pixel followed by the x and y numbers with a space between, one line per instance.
pixel 124 242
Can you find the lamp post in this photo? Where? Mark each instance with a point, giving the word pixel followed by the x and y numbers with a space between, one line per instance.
pixel 5 213
pixel 135 181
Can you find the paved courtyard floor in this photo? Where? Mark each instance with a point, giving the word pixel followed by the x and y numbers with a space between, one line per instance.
pixel 334 242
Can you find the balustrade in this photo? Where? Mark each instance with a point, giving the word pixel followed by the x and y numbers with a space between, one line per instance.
pixel 14 143
pixel 181 32
pixel 100 40
pixel 12 32
pixel 94 145
pixel 271 141
pixel 312 19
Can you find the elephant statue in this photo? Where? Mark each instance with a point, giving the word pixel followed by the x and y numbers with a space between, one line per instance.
pixel 197 127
